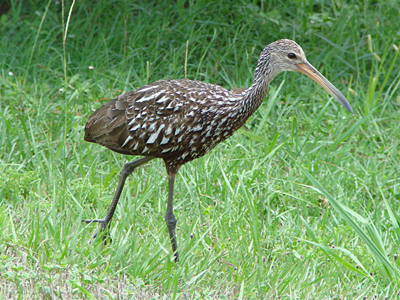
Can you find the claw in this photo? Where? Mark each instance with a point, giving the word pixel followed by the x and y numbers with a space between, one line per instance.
pixel 105 235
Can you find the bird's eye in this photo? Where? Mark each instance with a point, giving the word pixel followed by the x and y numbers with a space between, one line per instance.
pixel 291 55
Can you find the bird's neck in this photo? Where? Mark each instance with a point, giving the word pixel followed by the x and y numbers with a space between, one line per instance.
pixel 255 94
pixel 252 99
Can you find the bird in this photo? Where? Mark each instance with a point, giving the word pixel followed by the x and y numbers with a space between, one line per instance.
pixel 181 120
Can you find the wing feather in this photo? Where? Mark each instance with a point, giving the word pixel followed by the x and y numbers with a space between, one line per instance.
pixel 155 120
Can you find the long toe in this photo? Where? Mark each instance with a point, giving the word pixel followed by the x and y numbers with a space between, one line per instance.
pixel 89 221
pixel 107 238
pixel 105 235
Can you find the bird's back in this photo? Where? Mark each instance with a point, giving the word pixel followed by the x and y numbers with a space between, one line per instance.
pixel 181 119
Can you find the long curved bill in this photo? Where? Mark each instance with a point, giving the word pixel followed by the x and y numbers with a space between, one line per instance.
pixel 308 70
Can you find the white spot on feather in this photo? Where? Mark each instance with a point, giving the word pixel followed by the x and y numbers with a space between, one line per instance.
pixel 145 99
pixel 134 128
pixel 127 140
pixel 170 106
pixel 164 141
pixel 197 128
pixel 152 127
pixel 154 136
pixel 168 130
pixel 148 88
pixel 161 100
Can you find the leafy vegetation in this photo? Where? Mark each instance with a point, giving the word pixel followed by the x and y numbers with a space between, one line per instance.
pixel 303 202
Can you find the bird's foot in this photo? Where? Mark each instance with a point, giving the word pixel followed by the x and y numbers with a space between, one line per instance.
pixel 102 231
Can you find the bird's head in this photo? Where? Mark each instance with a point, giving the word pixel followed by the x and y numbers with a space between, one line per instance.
pixel 287 55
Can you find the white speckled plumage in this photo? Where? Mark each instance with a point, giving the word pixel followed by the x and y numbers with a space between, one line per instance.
pixel 177 120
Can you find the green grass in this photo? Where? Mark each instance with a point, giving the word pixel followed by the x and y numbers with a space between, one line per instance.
pixel 301 203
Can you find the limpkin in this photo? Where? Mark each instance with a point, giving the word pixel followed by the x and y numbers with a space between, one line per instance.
pixel 181 120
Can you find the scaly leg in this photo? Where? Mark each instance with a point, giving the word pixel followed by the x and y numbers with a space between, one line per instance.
pixel 169 216
pixel 126 171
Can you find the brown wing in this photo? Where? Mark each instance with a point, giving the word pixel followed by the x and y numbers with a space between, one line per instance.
pixel 107 125
pixel 138 122
pixel 156 118
pixel 163 119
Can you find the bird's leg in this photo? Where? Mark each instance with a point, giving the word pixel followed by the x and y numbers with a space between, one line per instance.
pixel 169 216
pixel 126 171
